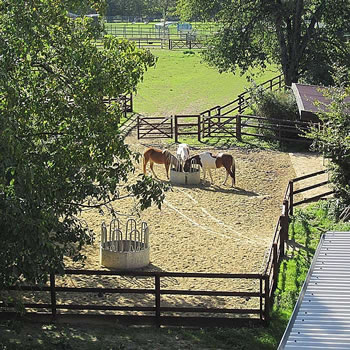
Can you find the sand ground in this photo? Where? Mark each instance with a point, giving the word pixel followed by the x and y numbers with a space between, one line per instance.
pixel 202 228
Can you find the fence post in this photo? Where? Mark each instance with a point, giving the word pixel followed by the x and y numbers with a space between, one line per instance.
pixel 138 127
pixel 218 112
pixel 176 131
pixel 291 195
pixel 284 220
pixel 171 127
pixel 157 297
pixel 238 128
pixel 275 266
pixel 267 298
pixel 240 103
pixel 53 295
pixel 199 127
pixel 131 102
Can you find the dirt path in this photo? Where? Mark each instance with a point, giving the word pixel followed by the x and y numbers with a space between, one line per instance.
pixel 307 163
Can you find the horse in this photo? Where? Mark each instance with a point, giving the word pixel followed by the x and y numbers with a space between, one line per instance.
pixel 158 156
pixel 182 154
pixel 209 161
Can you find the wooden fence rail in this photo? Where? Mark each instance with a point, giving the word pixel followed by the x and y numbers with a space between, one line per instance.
pixel 162 315
pixel 222 126
pixel 125 101
pixel 241 103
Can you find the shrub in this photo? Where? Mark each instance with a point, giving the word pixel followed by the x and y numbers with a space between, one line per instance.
pixel 275 106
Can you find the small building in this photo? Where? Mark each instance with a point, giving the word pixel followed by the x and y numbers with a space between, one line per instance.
pixel 310 100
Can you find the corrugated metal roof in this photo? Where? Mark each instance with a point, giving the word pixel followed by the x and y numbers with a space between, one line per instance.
pixel 311 100
pixel 321 317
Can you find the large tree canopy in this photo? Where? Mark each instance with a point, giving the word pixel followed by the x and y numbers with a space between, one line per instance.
pixel 161 8
pixel 302 36
pixel 60 149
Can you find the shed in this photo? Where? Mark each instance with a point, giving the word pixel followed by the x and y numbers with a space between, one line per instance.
pixel 307 97
pixel 321 317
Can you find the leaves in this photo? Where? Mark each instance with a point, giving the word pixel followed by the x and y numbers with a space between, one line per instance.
pixel 59 142
pixel 302 37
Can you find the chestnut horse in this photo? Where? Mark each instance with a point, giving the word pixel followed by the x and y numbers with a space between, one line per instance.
pixel 209 161
pixel 155 155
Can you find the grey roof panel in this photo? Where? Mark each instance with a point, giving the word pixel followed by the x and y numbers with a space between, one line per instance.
pixel 321 317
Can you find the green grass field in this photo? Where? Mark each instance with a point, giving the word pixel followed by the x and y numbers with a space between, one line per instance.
pixel 181 83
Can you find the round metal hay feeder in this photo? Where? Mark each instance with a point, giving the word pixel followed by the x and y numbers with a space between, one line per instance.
pixel 192 177
pixel 124 251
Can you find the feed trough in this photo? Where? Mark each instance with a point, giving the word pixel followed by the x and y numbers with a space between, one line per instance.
pixel 192 177
pixel 124 250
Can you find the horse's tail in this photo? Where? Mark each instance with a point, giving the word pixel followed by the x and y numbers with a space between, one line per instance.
pixel 233 171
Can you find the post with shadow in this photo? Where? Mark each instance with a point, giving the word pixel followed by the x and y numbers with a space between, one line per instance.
pixel 53 296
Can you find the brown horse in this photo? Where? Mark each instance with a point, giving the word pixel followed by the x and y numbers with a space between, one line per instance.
pixel 155 155
pixel 208 161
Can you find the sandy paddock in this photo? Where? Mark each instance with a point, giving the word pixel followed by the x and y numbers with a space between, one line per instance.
pixel 204 228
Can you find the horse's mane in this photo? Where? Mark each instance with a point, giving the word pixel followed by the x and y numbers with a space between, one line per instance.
pixel 170 158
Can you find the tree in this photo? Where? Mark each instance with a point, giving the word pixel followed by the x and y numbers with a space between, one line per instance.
pixel 126 7
pixel 332 138
pixel 295 34
pixel 60 148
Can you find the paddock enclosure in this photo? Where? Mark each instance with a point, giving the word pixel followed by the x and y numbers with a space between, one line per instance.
pixel 201 229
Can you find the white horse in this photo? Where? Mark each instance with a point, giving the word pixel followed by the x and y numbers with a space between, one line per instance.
pixel 182 154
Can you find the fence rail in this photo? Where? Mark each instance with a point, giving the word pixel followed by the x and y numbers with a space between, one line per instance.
pixel 154 127
pixel 125 101
pixel 158 314
pixel 222 126
pixel 241 103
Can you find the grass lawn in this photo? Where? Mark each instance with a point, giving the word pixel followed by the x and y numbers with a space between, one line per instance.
pixel 181 83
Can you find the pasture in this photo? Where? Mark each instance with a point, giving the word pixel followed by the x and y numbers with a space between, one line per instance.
pixel 181 83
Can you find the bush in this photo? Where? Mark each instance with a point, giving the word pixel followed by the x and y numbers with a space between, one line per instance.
pixel 275 106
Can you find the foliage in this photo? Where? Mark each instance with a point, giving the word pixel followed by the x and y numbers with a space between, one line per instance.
pixel 333 139
pixel 140 8
pixel 60 149
pixel 274 104
pixel 296 35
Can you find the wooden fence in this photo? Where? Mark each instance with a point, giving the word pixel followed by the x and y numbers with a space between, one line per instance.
pixel 280 238
pixel 228 121
pixel 241 103
pixel 159 314
pixel 156 314
pixel 222 126
pixel 154 127
pixel 125 101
